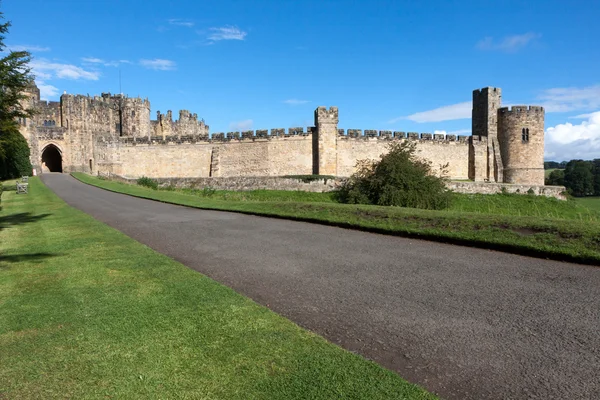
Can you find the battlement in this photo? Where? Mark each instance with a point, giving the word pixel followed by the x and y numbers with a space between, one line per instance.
pixel 372 134
pixel 521 109
pixel 107 99
pixel 487 90
pixel 325 115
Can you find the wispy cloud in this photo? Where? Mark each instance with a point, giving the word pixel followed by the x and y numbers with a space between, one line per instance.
pixel 99 61
pixel 46 91
pixel 180 22
pixel 571 99
pixel 158 64
pixel 445 113
pixel 243 125
pixel 457 132
pixel 295 102
pixel 567 141
pixel 27 47
pixel 226 33
pixel 508 44
pixel 45 69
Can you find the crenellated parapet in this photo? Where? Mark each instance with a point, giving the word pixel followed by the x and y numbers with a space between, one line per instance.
pixel 375 135
pixel 187 125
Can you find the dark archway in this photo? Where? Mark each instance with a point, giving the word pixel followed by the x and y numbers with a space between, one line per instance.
pixel 52 158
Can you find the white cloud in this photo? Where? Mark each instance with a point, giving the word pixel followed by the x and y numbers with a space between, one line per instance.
pixel 99 61
pixel 243 125
pixel 180 22
pixel 158 64
pixel 295 102
pixel 46 91
pixel 567 141
pixel 226 33
pixel 581 116
pixel 445 113
pixel 509 43
pixel 457 132
pixel 27 47
pixel 93 60
pixel 46 69
pixel 570 99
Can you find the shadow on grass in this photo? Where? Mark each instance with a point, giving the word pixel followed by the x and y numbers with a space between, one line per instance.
pixel 19 219
pixel 32 257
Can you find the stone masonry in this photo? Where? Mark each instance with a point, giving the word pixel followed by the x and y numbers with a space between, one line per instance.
pixel 114 134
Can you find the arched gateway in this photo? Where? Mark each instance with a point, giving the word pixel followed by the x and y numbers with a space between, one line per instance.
pixel 51 159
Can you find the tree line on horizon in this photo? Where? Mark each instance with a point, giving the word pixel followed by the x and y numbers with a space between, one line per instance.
pixel 580 177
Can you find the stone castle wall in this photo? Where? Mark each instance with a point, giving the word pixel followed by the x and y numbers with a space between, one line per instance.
pixel 114 134
pixel 439 149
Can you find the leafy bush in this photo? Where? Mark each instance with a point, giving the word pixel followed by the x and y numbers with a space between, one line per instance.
pixel 148 182
pixel 399 178
pixel 310 178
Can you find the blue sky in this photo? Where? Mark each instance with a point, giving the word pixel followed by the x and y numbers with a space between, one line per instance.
pixel 397 65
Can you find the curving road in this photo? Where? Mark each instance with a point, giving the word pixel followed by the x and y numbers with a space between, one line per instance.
pixel 464 323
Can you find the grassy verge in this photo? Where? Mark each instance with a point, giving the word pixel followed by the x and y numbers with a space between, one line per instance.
pixel 86 312
pixel 593 203
pixel 576 239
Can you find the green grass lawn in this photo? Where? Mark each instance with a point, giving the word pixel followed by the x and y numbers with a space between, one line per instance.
pixel 593 203
pixel 86 312
pixel 530 225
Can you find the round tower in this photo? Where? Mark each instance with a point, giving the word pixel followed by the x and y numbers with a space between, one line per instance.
pixel 136 117
pixel 521 139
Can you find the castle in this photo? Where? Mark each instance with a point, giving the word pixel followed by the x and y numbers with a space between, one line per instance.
pixel 114 134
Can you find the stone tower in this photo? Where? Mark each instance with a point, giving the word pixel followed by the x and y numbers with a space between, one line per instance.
pixel 486 161
pixel 521 137
pixel 325 141
pixel 486 103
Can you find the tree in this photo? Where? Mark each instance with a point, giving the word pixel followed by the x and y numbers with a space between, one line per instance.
pixel 596 173
pixel 15 77
pixel 399 178
pixel 579 179
pixel 556 178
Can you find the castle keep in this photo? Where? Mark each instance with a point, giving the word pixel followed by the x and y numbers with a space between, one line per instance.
pixel 114 134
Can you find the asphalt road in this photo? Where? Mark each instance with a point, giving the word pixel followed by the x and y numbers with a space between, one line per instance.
pixel 464 323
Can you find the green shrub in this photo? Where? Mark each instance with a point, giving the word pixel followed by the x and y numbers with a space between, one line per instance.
pixel 399 178
pixel 207 191
pixel 148 182
pixel 310 178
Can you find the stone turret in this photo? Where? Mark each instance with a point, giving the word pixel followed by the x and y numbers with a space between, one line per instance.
pixel 325 141
pixel 521 137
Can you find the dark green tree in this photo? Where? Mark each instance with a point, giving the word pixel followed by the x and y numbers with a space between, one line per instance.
pixel 399 178
pixel 556 178
pixel 15 77
pixel 596 173
pixel 579 179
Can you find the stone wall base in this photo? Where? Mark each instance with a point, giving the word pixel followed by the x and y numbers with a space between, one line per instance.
pixel 328 185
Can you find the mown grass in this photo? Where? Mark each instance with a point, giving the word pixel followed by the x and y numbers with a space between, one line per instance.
pixel 260 195
pixel 501 204
pixel 86 312
pixel 575 236
pixel 593 203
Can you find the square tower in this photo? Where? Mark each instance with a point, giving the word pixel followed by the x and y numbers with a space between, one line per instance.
pixel 486 103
